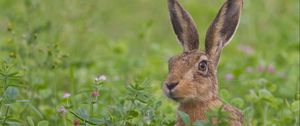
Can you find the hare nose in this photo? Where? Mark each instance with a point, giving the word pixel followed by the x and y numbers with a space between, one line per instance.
pixel 171 86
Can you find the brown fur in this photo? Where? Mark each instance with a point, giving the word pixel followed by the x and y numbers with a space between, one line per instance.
pixel 192 78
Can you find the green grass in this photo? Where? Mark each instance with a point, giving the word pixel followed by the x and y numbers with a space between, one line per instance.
pixel 51 47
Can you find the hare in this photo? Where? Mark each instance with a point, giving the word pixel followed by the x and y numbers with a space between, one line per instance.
pixel 192 78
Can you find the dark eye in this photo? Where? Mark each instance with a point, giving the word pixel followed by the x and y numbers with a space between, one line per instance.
pixel 202 66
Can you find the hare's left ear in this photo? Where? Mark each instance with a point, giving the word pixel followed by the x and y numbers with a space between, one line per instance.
pixel 223 28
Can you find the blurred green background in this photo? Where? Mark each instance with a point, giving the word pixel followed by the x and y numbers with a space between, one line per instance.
pixel 49 47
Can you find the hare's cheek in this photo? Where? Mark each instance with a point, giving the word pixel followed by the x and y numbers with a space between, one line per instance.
pixel 203 88
pixel 203 93
pixel 185 89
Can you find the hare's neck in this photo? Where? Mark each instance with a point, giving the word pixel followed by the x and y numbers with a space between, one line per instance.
pixel 197 110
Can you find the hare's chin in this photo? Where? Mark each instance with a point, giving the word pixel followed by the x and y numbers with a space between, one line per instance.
pixel 177 99
pixel 171 95
pixel 174 97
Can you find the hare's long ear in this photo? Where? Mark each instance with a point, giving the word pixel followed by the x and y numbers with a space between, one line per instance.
pixel 223 28
pixel 183 26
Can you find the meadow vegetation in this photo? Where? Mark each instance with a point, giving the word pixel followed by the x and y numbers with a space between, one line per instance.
pixel 102 62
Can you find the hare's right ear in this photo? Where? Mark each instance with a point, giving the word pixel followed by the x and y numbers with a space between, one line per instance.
pixel 183 26
pixel 223 28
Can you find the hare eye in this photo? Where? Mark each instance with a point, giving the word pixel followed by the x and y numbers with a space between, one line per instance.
pixel 202 66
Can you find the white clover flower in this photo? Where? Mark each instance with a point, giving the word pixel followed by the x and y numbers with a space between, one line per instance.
pixel 100 78
pixel 66 95
pixel 62 110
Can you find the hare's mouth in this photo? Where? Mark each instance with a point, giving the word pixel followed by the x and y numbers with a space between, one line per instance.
pixel 173 97
pixel 177 99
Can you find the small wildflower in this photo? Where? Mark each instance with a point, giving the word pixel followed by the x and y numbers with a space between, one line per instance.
pixel 271 68
pixel 62 110
pixel 66 95
pixel 76 122
pixel 95 94
pixel 229 77
pixel 246 49
pixel 100 78
pixel 261 68
pixel 249 69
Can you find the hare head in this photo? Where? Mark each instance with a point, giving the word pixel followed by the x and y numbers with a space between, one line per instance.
pixel 192 74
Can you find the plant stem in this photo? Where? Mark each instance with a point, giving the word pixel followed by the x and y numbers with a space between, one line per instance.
pixel 92 109
pixel 68 102
pixel 65 121
pixel 266 114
